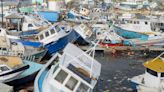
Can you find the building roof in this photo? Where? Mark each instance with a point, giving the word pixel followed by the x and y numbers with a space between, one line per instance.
pixel 155 65
pixel 14 16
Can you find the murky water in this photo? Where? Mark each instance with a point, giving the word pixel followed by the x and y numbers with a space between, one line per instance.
pixel 116 69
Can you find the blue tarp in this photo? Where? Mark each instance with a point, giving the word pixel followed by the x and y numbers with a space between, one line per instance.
pixel 49 15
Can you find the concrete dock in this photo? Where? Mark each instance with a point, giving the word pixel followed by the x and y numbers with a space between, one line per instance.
pixel 123 48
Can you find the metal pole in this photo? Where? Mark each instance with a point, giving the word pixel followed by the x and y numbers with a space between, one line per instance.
pixel 2 11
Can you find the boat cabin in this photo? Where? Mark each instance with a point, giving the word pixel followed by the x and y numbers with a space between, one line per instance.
pixel 28 26
pixel 137 25
pixel 83 30
pixel 66 80
pixel 51 34
pixel 154 72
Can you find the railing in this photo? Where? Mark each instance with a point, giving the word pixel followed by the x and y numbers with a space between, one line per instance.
pixel 9 53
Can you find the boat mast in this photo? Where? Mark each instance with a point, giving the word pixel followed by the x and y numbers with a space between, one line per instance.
pixel 2 11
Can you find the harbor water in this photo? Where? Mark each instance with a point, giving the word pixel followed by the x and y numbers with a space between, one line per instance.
pixel 118 67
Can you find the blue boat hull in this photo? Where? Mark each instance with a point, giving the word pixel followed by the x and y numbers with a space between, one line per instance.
pixel 58 45
pixel 61 43
pixel 134 86
pixel 41 79
pixel 129 34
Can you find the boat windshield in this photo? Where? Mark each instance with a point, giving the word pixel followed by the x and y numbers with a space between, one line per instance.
pixel 162 74
pixel 57 28
pixel 61 76
pixel 83 88
pixel 3 68
pixel 152 72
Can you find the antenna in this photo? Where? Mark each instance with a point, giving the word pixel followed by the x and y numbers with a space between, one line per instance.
pixel 2 11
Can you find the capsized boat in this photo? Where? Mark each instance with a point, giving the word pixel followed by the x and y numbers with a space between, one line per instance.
pixel 57 37
pixel 109 37
pixel 152 79
pixel 84 33
pixel 78 16
pixel 11 67
pixel 73 71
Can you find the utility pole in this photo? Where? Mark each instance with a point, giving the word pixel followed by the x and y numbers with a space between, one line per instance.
pixel 2 11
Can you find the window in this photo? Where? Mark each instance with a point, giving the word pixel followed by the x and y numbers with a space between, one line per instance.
pixel 47 34
pixel 152 72
pixel 4 49
pixel 30 25
pixel 83 88
pixel 4 68
pixel 162 74
pixel 98 33
pixel 41 36
pixel 57 28
pixel 71 84
pixel 138 22
pixel 146 23
pixel 52 31
pixel 130 21
pixel 61 76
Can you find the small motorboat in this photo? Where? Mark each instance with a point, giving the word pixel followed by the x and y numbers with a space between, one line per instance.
pixel 153 78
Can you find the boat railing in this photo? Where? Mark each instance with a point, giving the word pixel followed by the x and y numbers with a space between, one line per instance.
pixel 28 58
pixel 10 53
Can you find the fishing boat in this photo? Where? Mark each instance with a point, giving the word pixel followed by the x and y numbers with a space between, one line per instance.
pixel 73 71
pixel 25 25
pixel 84 33
pixel 109 38
pixel 152 79
pixel 81 15
pixel 10 67
pixel 132 4
pixel 27 75
pixel 135 28
pixel 54 38
pixel 57 37
pixel 11 47
pixel 151 40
